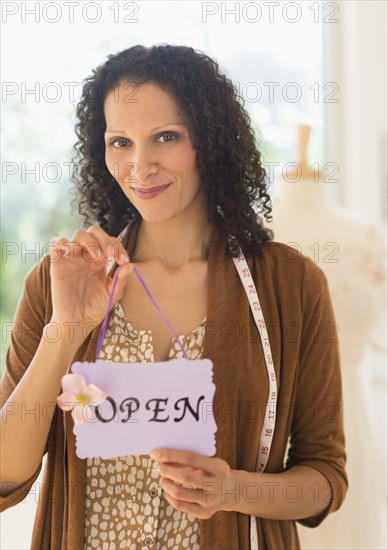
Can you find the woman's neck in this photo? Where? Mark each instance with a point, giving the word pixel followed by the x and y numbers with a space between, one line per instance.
pixel 175 242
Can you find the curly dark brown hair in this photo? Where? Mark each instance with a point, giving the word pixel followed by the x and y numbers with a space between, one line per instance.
pixel 228 160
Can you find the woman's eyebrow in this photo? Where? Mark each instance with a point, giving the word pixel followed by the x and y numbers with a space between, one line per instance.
pixel 110 131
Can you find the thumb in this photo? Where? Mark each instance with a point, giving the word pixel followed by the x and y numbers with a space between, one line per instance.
pixel 56 250
pixel 122 273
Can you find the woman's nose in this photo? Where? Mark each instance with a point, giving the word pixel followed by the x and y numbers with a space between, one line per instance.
pixel 141 163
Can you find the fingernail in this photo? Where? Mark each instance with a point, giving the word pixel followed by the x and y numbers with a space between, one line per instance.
pixel 155 454
pixel 157 466
pixel 124 258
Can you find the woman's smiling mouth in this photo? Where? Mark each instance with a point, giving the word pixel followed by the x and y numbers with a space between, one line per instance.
pixel 150 193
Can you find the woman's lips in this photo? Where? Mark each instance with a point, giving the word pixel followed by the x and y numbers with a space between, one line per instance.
pixel 147 194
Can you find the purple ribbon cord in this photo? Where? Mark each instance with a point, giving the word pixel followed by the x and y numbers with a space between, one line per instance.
pixel 105 323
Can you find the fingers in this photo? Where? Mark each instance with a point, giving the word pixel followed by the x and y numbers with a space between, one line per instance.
pixel 94 245
pixel 184 458
pixel 57 248
pixel 192 480
pixel 122 275
pixel 194 497
pixel 188 507
pixel 182 475
pixel 110 246
pixel 181 493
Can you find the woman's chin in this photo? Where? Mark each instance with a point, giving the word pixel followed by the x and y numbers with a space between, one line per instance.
pixel 155 218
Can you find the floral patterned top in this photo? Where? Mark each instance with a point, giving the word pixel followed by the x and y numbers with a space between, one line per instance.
pixel 125 506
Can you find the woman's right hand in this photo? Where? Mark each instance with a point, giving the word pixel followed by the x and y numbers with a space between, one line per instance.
pixel 80 285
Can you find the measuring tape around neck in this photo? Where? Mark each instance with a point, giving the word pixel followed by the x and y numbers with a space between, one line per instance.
pixel 267 431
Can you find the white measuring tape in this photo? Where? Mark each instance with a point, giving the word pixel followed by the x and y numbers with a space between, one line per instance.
pixel 267 431
pixel 266 436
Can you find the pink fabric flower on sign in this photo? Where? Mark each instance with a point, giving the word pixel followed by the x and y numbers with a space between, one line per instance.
pixel 77 395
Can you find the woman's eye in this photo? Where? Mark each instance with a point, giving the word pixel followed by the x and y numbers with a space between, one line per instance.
pixel 172 136
pixel 166 137
pixel 118 143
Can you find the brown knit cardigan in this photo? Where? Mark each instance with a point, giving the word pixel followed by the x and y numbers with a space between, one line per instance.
pixel 300 321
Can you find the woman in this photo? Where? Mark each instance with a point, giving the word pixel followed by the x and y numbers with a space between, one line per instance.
pixel 167 159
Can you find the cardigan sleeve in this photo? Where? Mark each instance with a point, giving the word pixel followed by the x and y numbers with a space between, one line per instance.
pixel 27 330
pixel 317 435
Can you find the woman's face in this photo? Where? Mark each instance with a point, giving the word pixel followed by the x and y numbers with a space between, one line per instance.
pixel 149 152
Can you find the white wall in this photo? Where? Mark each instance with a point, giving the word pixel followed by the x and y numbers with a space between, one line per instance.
pixel 356 138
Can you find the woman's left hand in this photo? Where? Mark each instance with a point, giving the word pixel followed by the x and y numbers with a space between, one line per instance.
pixel 208 482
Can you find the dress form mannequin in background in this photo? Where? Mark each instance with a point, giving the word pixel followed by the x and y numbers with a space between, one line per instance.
pixel 351 252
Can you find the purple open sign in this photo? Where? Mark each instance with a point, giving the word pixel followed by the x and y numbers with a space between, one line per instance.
pixel 167 404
